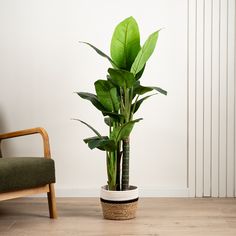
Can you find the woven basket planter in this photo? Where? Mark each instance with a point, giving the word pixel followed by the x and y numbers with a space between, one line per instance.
pixel 119 205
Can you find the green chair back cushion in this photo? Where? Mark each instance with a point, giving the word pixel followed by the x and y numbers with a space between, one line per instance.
pixel 18 173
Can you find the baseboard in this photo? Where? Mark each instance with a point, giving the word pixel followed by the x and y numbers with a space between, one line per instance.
pixel 143 192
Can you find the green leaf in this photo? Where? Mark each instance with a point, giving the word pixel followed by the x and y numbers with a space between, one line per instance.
pixel 125 43
pixel 121 78
pixel 115 116
pixel 93 141
pixel 140 73
pixel 160 90
pixel 103 143
pixel 140 90
pixel 109 121
pixel 145 53
pixel 93 99
pixel 115 99
pixel 123 132
pixel 139 102
pixel 107 95
pixel 94 130
pixel 86 140
pixel 101 54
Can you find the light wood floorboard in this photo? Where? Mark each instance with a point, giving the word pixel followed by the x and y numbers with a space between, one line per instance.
pixel 156 217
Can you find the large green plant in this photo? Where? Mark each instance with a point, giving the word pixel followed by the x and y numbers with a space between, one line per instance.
pixel 118 98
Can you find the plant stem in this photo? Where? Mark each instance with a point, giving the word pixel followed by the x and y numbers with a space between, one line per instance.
pixel 126 103
pixel 132 111
pixel 111 170
pixel 118 168
pixel 125 164
pixel 122 106
pixel 114 170
pixel 108 170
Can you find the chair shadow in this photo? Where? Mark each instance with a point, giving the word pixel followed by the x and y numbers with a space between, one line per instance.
pixel 8 210
pixel 7 147
pixel 2 121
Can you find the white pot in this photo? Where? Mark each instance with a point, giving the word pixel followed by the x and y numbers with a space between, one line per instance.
pixel 119 205
pixel 127 195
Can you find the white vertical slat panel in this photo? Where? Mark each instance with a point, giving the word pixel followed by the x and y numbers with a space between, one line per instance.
pixel 187 27
pixel 234 99
pixel 207 99
pixel 192 95
pixel 230 100
pixel 199 99
pixel 223 99
pixel 212 98
pixel 215 96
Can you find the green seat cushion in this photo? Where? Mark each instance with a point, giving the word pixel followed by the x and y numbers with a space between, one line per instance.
pixel 18 173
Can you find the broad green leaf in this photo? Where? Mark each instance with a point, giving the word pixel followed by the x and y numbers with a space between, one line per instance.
pixel 123 132
pixel 126 129
pixel 115 99
pixel 140 73
pixel 103 143
pixel 140 90
pixel 107 145
pixel 101 54
pixel 139 102
pixel 86 140
pixel 94 130
pixel 160 90
pixel 107 95
pixel 94 141
pixel 145 53
pixel 109 121
pixel 121 78
pixel 93 99
pixel 125 43
pixel 115 116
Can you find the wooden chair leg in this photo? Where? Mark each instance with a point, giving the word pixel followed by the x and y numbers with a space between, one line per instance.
pixel 52 202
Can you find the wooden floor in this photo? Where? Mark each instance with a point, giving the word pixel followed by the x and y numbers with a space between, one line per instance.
pixel 156 217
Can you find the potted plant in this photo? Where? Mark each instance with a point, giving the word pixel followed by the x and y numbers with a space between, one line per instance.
pixel 118 97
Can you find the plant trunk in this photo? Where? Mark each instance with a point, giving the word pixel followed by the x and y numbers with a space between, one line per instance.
pixel 125 165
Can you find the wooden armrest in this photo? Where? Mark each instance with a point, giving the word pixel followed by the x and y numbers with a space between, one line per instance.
pixel 37 130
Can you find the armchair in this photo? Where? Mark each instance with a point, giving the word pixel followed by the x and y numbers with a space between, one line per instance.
pixel 22 176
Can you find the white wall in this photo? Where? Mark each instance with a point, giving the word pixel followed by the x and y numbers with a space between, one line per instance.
pixel 42 64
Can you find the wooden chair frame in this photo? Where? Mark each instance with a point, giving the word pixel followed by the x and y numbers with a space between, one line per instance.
pixel 49 188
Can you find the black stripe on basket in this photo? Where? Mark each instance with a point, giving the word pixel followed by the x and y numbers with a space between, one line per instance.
pixel 119 202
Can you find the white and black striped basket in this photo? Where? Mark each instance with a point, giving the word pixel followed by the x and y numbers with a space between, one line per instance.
pixel 119 205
